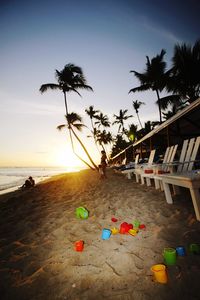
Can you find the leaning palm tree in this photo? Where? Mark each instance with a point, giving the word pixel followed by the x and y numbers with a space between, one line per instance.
pixel 153 78
pixel 119 119
pixel 70 79
pixel 136 106
pixel 74 122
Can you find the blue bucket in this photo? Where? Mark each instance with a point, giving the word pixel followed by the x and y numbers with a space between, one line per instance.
pixel 180 251
pixel 106 233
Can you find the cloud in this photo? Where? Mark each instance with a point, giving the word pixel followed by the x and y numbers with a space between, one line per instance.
pixel 30 108
pixel 171 37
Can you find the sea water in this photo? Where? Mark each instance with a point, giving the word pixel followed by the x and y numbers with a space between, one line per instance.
pixel 13 178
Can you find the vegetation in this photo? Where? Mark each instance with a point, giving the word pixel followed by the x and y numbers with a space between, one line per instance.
pixel 181 82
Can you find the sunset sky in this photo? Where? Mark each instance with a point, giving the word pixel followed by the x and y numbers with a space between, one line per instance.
pixel 106 38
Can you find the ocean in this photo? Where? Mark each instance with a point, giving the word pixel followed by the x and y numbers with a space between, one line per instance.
pixel 13 178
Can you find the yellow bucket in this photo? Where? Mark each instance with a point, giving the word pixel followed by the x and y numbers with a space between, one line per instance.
pixel 159 272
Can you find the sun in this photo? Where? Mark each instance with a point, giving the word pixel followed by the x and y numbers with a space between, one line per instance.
pixel 66 158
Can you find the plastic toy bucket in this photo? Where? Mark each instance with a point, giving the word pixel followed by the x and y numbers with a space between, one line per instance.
pixel 106 233
pixel 136 224
pixel 169 255
pixel 159 273
pixel 79 245
pixel 82 213
pixel 194 248
pixel 180 251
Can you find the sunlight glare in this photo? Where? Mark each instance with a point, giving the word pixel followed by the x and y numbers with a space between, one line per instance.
pixel 66 158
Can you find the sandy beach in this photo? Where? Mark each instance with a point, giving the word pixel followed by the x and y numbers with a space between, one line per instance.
pixel 38 229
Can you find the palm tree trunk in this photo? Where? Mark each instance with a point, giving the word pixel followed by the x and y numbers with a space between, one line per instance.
pixel 82 145
pixel 72 143
pixel 70 134
pixel 159 106
pixel 66 107
pixel 139 120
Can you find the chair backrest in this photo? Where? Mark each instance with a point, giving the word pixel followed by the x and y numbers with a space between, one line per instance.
pixel 166 155
pixel 170 157
pixel 137 159
pixel 188 154
pixel 151 157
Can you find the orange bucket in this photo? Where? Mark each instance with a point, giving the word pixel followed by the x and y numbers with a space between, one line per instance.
pixel 159 272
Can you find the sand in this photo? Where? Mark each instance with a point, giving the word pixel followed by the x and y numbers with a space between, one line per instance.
pixel 38 229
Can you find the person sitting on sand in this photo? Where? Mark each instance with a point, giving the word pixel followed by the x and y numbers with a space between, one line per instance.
pixel 103 165
pixel 30 182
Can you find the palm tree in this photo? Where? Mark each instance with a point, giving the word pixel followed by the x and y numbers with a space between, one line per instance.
pixel 153 78
pixel 119 145
pixel 136 106
pixel 102 120
pixel 71 78
pixel 174 109
pixel 104 138
pixel 132 133
pixel 185 73
pixel 92 114
pixel 120 120
pixel 74 123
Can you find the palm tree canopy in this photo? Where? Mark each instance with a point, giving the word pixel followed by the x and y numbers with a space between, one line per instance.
pixel 185 72
pixel 102 120
pixel 73 120
pixel 137 104
pixel 154 76
pixel 122 116
pixel 91 112
pixel 69 79
pixel 119 119
pixel 104 137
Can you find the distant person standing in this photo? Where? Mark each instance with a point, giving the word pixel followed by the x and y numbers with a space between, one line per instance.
pixel 103 164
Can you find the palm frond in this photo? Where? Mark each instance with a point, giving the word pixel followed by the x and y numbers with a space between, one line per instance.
pixel 49 86
pixel 141 88
pixel 60 127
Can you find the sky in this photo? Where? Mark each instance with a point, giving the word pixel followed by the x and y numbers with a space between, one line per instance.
pixel 106 39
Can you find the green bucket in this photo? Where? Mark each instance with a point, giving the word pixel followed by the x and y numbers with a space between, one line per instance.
pixel 82 213
pixel 169 255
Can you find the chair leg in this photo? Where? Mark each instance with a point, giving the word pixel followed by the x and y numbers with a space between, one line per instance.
pixel 161 186
pixel 157 184
pixel 137 178
pixel 148 181
pixel 142 179
pixel 167 191
pixel 195 194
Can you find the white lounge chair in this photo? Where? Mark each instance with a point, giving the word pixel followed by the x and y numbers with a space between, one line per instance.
pixel 160 168
pixel 140 169
pixel 188 153
pixel 130 170
pixel 185 177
